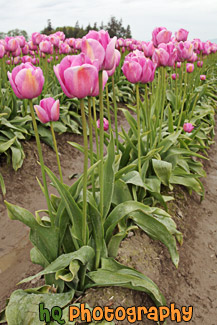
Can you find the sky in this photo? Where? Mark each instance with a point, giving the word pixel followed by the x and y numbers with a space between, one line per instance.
pixel 199 17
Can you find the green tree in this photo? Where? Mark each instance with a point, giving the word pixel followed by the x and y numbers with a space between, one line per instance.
pixel 115 28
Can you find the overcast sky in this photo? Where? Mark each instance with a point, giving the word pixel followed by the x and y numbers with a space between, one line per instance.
pixel 197 16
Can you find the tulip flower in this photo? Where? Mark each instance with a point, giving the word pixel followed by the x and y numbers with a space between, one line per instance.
pixel 178 64
pixel 117 61
pixel 64 48
pixel 185 50
pixel 46 47
pixel 36 38
pixel 2 51
pixel 21 40
pixel 77 75
pixel 98 45
pixel 148 49
pixel 48 110
pixel 25 49
pixel 203 77
pixel 189 67
pixel 181 35
pixel 105 124
pixel 188 127
pixel 138 68
pixel 199 64
pixel 26 81
pixel 175 76
pixel 11 44
pixel 171 50
pixel 161 35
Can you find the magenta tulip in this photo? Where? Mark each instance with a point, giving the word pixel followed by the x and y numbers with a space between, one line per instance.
pixel 199 64
pixel 11 44
pixel 77 75
pixel 117 61
pixel 172 51
pixel 161 35
pixel 36 38
pixel 189 67
pixel 98 45
pixel 21 40
pixel 178 64
pixel 175 76
pixel 188 127
pixel 26 81
pixel 64 48
pixel 138 68
pixel 2 51
pixel 46 47
pixel 202 77
pixel 181 35
pixel 48 110
pixel 148 48
pixel 160 57
pixel 105 124
pixel 185 50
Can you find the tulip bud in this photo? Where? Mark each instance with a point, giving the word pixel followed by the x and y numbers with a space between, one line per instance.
pixel 188 127
pixel 203 77
pixel 105 124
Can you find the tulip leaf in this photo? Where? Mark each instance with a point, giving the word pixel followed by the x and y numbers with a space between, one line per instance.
pixel 113 273
pixel 23 307
pixel 163 170
pixel 7 144
pixel 44 238
pixel 109 177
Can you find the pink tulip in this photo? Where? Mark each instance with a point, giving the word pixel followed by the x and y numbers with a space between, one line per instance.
pixel 148 49
pixel 2 51
pixel 16 60
pixel 181 35
pixel 64 48
pixel 199 64
pixel 32 46
pixel 178 64
pixel 36 38
pixel 46 47
pixel 138 68
pixel 193 58
pixel 26 81
pixel 117 61
pixel 170 48
pixel 188 127
pixel 189 67
pixel 17 52
pixel 54 40
pixel 175 76
pixel 105 124
pixel 48 110
pixel 11 44
pixel 98 45
pixel 202 77
pixel 160 57
pixel 25 49
pixel 185 50
pixel 60 35
pixel 77 75
pixel 161 35
pixel 21 40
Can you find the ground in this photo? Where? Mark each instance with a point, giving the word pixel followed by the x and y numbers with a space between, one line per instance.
pixel 194 283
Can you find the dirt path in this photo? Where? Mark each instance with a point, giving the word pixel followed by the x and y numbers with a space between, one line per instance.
pixel 195 281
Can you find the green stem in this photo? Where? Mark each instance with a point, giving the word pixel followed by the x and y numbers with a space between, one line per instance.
pixel 41 162
pixel 108 108
pixel 138 126
pixel 101 144
pixel 148 116
pixel 56 151
pixel 95 127
pixel 91 142
pixel 116 115
pixel 84 215
pixel 163 71
pixel 183 100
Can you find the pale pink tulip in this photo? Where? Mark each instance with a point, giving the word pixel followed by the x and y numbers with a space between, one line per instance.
pixel 48 110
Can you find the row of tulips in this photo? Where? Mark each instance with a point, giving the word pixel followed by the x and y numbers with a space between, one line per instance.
pixel 77 241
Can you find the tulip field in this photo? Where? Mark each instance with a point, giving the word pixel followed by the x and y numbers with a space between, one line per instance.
pixel 166 91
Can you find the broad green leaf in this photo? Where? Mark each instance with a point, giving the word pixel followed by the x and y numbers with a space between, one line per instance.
pixel 7 144
pixel 113 273
pixel 121 192
pixel 84 254
pixel 71 206
pixel 163 170
pixel 44 238
pixel 23 307
pixel 2 184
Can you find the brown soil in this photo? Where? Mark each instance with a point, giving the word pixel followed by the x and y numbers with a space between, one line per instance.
pixel 194 283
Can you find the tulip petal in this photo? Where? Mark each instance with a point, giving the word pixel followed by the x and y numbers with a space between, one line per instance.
pixel 29 82
pixel 94 50
pixel 55 111
pixel 14 86
pixel 109 60
pixel 65 90
pixel 82 80
pixel 42 114
pixel 132 71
